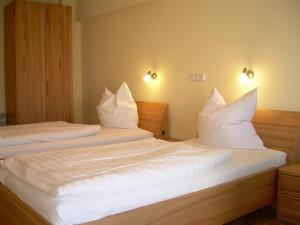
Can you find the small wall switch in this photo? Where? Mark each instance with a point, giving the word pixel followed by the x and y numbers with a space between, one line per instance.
pixel 197 77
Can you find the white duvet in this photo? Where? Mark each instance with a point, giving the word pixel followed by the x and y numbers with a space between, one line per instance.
pixel 112 168
pixel 41 132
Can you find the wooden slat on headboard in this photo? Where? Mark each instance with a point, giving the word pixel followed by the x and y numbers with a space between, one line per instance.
pixel 154 117
pixel 280 130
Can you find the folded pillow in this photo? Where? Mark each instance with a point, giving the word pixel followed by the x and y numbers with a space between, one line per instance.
pixel 118 110
pixel 229 125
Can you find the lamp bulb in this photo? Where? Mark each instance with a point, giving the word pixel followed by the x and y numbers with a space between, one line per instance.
pixel 244 78
pixel 147 78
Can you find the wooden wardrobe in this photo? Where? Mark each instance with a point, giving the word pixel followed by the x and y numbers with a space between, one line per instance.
pixel 38 62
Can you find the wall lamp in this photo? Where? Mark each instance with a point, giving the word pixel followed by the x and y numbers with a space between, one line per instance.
pixel 247 75
pixel 150 76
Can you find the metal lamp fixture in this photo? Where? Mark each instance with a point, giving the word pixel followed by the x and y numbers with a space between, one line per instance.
pixel 150 76
pixel 247 75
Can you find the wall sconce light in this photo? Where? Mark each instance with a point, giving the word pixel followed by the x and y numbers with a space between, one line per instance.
pixel 150 76
pixel 246 75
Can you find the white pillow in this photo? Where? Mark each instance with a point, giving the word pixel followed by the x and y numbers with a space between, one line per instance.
pixel 118 110
pixel 229 125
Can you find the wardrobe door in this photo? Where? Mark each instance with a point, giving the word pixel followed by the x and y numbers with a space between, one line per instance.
pixel 30 62
pixel 10 59
pixel 58 49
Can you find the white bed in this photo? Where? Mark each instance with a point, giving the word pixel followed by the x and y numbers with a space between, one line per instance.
pixel 103 137
pixel 69 209
pixel 153 119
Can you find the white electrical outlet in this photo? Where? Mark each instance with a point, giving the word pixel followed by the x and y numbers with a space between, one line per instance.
pixel 197 77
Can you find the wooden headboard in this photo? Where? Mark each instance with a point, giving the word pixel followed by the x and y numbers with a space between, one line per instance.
pixel 154 117
pixel 280 130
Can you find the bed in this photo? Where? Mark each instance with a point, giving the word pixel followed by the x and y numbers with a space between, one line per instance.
pixel 152 122
pixel 216 204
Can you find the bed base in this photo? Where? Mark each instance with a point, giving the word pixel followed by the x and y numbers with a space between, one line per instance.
pixel 212 206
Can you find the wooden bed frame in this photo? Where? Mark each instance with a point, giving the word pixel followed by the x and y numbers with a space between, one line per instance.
pixel 212 206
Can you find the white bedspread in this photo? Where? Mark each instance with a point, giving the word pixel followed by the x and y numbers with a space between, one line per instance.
pixel 69 210
pixel 112 168
pixel 41 132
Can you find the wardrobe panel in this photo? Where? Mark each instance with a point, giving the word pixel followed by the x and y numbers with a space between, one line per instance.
pixel 58 51
pixel 30 62
pixel 9 64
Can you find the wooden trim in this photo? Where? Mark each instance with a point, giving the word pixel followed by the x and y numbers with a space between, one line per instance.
pixel 154 117
pixel 13 211
pixel 280 130
pixel 10 60
pixel 215 205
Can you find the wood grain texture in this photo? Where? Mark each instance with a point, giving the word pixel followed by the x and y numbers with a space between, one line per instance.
pixel 290 185
pixel 38 58
pixel 293 170
pixel 13 211
pixel 288 202
pixel 58 39
pixel 154 117
pixel 30 62
pixel 9 60
pixel 280 130
pixel 289 209
pixel 215 205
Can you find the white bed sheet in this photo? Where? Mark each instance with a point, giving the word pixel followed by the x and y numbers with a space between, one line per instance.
pixel 103 137
pixel 83 208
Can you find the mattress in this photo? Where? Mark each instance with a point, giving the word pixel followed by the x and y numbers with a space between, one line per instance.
pixel 103 137
pixel 65 210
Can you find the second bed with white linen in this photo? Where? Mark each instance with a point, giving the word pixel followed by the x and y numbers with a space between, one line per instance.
pixel 128 176
pixel 103 137
pixel 44 132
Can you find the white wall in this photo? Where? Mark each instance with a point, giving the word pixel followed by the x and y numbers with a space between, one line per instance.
pixel 90 8
pixel 176 38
